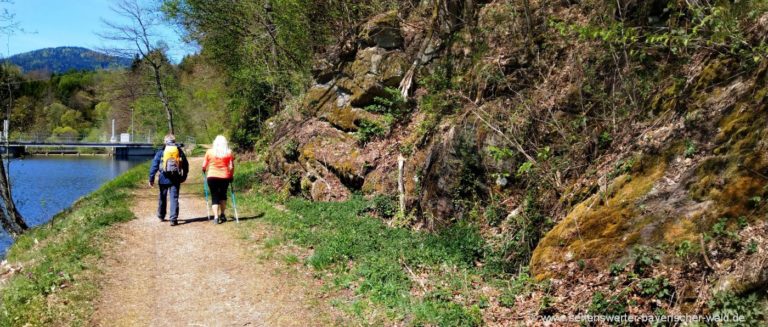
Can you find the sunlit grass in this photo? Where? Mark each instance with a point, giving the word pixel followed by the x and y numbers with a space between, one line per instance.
pixel 57 283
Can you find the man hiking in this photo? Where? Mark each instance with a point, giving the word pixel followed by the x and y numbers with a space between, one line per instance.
pixel 172 165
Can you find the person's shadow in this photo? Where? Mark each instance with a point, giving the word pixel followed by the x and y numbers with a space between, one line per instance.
pixel 230 218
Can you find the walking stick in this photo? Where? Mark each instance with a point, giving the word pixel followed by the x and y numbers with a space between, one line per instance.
pixel 234 201
pixel 207 203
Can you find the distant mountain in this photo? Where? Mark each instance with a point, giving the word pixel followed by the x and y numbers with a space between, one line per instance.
pixel 63 59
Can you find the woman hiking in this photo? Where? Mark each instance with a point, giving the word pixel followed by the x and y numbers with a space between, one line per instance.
pixel 219 164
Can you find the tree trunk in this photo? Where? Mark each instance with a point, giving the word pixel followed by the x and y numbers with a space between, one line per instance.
pixel 407 82
pixel 271 30
pixel 12 219
pixel 163 98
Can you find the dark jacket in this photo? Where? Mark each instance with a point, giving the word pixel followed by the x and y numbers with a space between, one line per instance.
pixel 163 179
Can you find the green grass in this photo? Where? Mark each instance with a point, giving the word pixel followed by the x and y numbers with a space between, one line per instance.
pixel 197 151
pixel 58 282
pixel 355 252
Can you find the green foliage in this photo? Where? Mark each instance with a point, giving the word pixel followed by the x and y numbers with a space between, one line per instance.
pixel 524 168
pixel 729 305
pixel 622 167
pixel 500 154
pixel 392 104
pixel 616 269
pixel 516 249
pixel 291 150
pixel 720 230
pixel 431 313
pixel 684 249
pixel 265 56
pixel 656 287
pixel 494 214
pixel 644 258
pixel 714 25
pixel 604 140
pixel 385 206
pixel 690 149
pixel 65 133
pixel 615 305
pixel 373 259
pixel 368 130
pixel 752 247
pixel 521 284
pixel 52 288
pixel 384 280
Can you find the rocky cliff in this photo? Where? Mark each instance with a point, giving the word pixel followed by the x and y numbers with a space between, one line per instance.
pixel 574 132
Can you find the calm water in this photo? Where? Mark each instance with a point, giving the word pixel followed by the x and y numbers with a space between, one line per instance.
pixel 44 186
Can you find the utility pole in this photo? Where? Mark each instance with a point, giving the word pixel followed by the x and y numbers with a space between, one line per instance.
pixel 130 139
pixel 113 139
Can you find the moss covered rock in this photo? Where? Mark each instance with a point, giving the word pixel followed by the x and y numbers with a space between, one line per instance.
pixel 383 31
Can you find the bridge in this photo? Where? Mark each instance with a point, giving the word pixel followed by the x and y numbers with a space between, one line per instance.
pixel 23 144
pixel 18 148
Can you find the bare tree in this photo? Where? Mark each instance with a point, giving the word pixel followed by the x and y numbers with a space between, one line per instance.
pixel 139 36
pixel 11 219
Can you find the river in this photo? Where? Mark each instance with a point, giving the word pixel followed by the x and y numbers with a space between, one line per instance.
pixel 44 186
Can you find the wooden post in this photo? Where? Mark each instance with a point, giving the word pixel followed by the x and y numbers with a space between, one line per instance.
pixel 400 184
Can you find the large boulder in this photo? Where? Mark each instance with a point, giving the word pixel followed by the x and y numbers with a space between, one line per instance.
pixel 373 69
pixel 362 90
pixel 383 31
pixel 337 152
pixel 331 104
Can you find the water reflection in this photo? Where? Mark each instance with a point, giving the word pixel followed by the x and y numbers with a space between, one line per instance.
pixel 44 186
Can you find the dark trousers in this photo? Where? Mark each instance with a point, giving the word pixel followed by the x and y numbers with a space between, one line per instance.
pixel 163 200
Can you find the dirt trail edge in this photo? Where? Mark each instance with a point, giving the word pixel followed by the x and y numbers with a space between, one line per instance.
pixel 194 274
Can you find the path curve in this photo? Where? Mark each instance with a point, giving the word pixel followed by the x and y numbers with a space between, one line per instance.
pixel 193 274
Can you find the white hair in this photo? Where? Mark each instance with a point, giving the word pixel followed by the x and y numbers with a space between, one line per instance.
pixel 220 147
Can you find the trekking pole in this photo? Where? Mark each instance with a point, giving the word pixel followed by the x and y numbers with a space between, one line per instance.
pixel 234 201
pixel 207 204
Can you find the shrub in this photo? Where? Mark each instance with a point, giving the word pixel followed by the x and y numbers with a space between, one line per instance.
pixel 291 150
pixel 656 287
pixel 727 304
pixel 368 130
pixel 608 306
pixel 644 258
pixel 385 206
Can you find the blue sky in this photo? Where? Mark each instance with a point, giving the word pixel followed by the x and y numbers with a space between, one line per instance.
pixel 54 23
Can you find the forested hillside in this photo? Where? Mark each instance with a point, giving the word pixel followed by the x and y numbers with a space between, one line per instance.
pixel 82 104
pixel 63 59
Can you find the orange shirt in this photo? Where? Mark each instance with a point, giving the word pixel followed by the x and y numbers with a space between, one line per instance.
pixel 218 167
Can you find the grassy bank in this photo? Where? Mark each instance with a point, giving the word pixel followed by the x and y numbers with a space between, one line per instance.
pixel 377 273
pixel 58 280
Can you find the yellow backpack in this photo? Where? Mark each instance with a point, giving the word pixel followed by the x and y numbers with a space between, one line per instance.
pixel 171 165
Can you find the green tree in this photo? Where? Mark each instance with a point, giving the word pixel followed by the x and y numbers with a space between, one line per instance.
pixel 264 48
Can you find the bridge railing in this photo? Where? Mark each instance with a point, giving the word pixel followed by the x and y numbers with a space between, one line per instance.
pixel 86 138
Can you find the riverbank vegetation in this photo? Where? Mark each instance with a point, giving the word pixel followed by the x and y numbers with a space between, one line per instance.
pixel 55 265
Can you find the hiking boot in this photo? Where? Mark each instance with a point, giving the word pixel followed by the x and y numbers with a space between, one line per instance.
pixel 174 222
pixel 217 220
pixel 223 218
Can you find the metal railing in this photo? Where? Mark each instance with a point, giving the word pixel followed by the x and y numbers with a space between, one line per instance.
pixel 87 138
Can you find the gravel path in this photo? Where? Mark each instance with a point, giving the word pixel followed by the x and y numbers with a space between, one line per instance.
pixel 196 273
